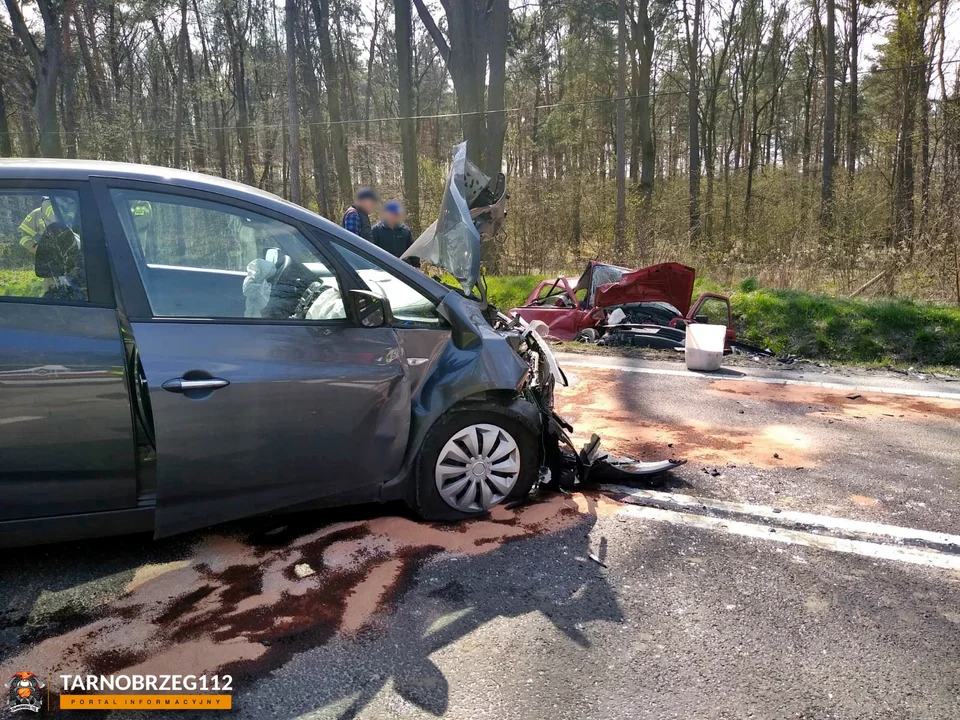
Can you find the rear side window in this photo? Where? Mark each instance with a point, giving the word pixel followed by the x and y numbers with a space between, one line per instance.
pixel 41 248
pixel 202 259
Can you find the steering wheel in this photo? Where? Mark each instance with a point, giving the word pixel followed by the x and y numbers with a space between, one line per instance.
pixel 284 265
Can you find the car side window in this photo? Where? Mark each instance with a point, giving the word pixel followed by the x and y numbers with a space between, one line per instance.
pixel 409 306
pixel 201 259
pixel 41 249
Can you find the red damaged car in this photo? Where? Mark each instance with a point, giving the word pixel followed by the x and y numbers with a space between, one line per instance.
pixel 655 305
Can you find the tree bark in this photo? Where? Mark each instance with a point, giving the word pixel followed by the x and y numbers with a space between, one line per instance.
pixel 496 115
pixel 6 146
pixel 620 237
pixel 179 78
pixel 47 64
pixel 403 28
pixel 237 35
pixel 293 102
pixel 853 121
pixel 693 114
pixel 829 114
pixel 331 77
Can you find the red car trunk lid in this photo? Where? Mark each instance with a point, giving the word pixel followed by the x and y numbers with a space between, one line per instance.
pixel 667 282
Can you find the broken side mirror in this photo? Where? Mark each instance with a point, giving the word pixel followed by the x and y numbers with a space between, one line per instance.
pixel 370 309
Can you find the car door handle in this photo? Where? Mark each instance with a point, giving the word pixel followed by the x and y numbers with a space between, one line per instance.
pixel 180 385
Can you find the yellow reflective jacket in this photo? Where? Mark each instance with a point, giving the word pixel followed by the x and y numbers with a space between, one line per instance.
pixel 35 223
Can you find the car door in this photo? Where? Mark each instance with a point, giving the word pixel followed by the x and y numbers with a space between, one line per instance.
pixel 253 409
pixel 66 429
pixel 560 310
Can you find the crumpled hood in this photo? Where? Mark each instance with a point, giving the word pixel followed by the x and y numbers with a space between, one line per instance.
pixel 472 210
pixel 667 282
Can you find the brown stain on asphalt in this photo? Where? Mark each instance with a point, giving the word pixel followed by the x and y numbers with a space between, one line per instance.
pixel 589 404
pixel 864 501
pixel 836 403
pixel 237 604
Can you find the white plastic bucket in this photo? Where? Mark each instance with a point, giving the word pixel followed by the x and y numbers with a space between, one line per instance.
pixel 704 346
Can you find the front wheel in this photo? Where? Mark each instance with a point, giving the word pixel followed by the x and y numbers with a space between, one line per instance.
pixel 471 460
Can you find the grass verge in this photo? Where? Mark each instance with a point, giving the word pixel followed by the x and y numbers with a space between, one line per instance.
pixel 20 283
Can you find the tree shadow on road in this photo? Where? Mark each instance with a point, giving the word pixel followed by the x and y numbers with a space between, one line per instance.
pixel 381 595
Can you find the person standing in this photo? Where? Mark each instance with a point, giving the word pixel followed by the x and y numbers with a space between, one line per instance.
pixel 357 217
pixel 391 234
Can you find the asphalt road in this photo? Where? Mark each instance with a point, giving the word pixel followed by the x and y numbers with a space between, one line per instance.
pixel 780 592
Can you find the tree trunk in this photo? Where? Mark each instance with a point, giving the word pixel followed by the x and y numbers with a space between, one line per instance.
pixel 496 116
pixel 178 113
pixel 237 36
pixel 6 146
pixel 693 115
pixel 318 144
pixel 331 77
pixel 853 121
pixel 368 94
pixel 403 28
pixel 47 66
pixel 293 103
pixel 829 114
pixel 620 238
pixel 645 43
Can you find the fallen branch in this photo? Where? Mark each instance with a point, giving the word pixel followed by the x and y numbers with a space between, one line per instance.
pixel 868 284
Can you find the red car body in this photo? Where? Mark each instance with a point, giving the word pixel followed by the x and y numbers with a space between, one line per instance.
pixel 568 306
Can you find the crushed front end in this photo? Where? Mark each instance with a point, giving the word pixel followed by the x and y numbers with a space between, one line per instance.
pixel 564 467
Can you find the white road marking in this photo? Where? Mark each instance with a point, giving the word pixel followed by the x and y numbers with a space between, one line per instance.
pixel 682 502
pixel 678 504
pixel 908 392
pixel 915 556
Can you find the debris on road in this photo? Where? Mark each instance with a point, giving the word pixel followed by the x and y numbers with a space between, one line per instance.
pixel 303 570
pixel 597 560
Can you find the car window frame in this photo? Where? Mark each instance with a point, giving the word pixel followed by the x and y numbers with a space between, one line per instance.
pixel 334 242
pixel 100 292
pixel 133 293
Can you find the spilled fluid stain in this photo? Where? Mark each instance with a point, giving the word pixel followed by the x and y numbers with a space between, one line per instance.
pixel 237 605
pixel 590 405
pixel 843 403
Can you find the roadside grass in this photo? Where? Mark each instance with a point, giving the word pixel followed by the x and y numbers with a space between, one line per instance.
pixel 20 283
pixel 895 331
pixel 510 291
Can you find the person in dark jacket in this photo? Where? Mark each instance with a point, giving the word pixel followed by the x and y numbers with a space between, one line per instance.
pixel 391 234
pixel 357 217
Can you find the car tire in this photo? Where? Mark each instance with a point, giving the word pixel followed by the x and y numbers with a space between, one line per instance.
pixel 483 484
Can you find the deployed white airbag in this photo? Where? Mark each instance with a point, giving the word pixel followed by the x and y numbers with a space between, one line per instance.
pixel 256 287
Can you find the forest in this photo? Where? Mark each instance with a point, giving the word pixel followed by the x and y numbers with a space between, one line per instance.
pixel 808 144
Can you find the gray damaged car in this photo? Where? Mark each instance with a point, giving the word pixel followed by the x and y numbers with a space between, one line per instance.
pixel 189 351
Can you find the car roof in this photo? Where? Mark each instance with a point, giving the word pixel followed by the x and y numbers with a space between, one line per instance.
pixel 37 169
